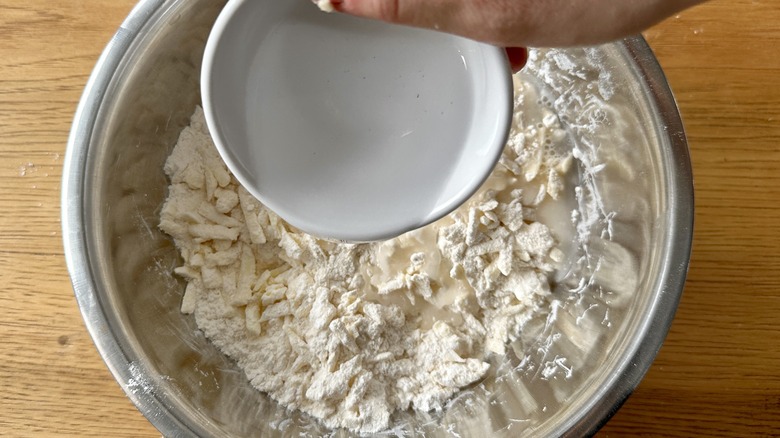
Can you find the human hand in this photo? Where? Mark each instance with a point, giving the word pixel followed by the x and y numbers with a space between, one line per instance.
pixel 516 24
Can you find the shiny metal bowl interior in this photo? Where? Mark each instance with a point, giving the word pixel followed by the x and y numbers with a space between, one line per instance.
pixel 141 95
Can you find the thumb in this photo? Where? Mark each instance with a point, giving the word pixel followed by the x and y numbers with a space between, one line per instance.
pixel 392 11
pixel 457 17
pixel 502 23
pixel 450 16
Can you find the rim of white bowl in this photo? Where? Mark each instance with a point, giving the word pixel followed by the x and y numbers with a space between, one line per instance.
pixel 501 78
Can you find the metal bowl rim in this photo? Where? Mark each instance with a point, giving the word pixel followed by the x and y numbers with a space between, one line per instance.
pixel 152 404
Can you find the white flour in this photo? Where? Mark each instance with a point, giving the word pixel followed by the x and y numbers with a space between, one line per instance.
pixel 351 333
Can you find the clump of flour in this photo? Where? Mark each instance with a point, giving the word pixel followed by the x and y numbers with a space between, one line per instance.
pixel 351 333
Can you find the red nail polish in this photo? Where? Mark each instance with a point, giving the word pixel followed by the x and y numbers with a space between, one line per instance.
pixel 518 57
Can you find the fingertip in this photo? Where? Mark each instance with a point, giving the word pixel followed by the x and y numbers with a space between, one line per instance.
pixel 373 9
pixel 328 5
pixel 345 7
pixel 518 57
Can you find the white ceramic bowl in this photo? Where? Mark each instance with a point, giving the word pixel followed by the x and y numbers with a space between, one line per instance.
pixel 352 129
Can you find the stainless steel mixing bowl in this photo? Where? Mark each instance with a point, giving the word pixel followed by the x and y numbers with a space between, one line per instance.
pixel 569 373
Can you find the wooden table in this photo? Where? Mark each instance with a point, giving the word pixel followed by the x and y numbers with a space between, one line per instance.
pixel 717 374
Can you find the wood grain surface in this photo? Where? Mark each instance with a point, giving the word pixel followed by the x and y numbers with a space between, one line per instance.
pixel 718 374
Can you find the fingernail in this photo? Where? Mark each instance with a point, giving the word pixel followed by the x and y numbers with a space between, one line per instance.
pixel 327 5
pixel 518 57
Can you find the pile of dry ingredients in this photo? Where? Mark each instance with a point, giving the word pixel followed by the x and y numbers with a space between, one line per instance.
pixel 351 333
